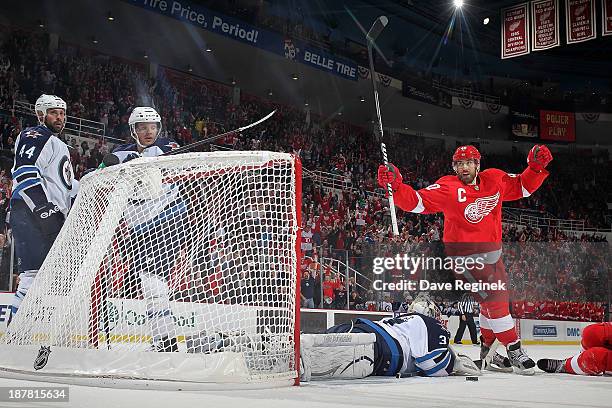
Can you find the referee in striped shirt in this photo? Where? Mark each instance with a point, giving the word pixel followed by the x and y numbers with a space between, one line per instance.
pixel 466 318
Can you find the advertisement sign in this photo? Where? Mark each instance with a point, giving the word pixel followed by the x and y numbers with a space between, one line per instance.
pixel 558 126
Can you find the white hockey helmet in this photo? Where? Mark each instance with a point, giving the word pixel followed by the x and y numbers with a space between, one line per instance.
pixel 423 304
pixel 46 102
pixel 144 114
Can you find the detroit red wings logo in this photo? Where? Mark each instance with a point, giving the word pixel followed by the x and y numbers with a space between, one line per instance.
pixel 480 208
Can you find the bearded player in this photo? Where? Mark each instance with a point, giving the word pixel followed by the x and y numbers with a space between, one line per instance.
pixel 471 201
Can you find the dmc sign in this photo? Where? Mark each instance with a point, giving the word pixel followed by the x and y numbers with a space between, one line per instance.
pixel 573 332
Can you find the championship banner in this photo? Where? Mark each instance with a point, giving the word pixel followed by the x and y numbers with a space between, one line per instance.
pixel 545 24
pixel 580 20
pixel 558 126
pixel 606 17
pixel 515 31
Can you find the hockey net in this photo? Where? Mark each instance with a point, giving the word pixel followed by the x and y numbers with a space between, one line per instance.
pixel 180 268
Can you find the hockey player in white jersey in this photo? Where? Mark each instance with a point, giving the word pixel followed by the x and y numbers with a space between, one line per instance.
pixel 43 188
pixel 151 259
pixel 415 343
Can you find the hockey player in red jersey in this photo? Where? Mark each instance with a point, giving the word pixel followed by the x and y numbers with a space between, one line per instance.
pixel 471 202
pixel 595 359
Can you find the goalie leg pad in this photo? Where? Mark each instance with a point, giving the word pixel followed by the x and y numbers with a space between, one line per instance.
pixel 336 355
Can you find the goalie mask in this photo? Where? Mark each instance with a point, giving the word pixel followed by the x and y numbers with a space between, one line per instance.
pixel 423 304
pixel 56 121
pixel 147 116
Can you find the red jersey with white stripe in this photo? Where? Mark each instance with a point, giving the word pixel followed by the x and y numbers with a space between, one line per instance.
pixel 472 213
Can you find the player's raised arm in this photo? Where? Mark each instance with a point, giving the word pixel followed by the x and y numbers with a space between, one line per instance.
pixel 424 201
pixel 524 184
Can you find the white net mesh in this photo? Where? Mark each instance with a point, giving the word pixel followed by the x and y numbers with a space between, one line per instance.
pixel 170 268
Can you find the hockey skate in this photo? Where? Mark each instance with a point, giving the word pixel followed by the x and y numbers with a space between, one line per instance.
pixel 551 366
pixel 166 345
pixel 498 363
pixel 520 361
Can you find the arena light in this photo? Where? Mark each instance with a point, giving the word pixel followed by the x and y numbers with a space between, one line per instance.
pixel 458 3
pixel 485 21
pixel 362 99
pixel 294 77
pixel 208 49
pixel 110 17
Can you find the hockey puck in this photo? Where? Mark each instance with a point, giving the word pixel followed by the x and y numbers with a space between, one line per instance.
pixel 405 375
pixel 471 378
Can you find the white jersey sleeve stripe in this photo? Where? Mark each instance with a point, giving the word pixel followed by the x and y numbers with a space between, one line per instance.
pixel 419 207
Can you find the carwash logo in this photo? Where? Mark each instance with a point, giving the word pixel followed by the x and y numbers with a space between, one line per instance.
pixel 545 331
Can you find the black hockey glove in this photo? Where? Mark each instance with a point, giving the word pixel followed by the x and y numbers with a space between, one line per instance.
pixel 50 218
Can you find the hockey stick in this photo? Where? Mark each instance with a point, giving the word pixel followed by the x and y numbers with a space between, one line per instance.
pixel 193 145
pixel 485 364
pixel 371 36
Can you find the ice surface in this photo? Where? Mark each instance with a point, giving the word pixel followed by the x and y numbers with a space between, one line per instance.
pixel 492 390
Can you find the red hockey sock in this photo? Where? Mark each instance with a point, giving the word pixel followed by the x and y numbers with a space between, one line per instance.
pixel 594 361
pixel 503 327
pixel 487 336
pixel 507 337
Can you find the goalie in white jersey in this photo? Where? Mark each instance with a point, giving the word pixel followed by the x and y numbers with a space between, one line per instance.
pixel 415 343
pixel 152 259
pixel 43 188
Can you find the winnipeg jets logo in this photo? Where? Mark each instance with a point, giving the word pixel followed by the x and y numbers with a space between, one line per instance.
pixel 32 133
pixel 480 208
pixel 42 358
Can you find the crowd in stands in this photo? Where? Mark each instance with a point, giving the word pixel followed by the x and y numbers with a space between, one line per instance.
pixel 351 225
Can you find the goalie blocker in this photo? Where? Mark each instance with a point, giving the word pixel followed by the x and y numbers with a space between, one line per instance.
pixel 412 344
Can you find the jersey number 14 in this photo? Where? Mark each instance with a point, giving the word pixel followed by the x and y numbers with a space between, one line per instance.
pixel 29 152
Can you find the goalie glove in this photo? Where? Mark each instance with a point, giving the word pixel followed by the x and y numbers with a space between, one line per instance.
pixel 538 158
pixel 464 365
pixel 389 175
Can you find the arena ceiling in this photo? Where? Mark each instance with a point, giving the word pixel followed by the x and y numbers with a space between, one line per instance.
pixel 590 58
pixel 438 11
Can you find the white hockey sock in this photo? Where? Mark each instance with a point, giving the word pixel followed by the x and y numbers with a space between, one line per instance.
pixel 25 282
pixel 157 297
